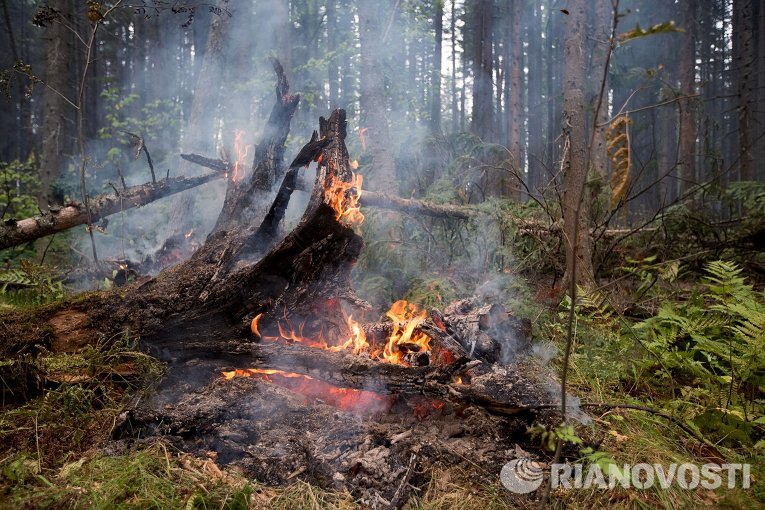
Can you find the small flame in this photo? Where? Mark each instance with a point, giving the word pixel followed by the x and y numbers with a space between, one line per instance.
pixel 254 325
pixel 189 233
pixel 241 153
pixel 346 205
pixel 347 399
pixel 355 164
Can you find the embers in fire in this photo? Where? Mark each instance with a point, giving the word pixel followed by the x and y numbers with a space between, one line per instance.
pixel 346 399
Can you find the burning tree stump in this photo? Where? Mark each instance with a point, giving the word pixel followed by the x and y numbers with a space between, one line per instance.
pixel 202 318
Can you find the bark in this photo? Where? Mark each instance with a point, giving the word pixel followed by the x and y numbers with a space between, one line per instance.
pixel 759 20
pixel 435 77
pixel 58 115
pixel 333 68
pixel 601 29
pixel 373 98
pixel 576 202
pixel 247 199
pixel 453 35
pixel 688 126
pixel 483 104
pixel 745 63
pixel 512 187
pixel 59 219
pixel 536 108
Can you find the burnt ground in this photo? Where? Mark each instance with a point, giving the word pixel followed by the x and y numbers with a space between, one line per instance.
pixel 275 436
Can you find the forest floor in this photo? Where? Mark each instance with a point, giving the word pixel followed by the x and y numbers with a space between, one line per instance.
pixel 57 451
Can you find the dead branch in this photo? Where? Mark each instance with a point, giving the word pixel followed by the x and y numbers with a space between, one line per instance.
pixel 16 232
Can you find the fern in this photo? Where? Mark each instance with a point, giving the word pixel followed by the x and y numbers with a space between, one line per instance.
pixel 718 339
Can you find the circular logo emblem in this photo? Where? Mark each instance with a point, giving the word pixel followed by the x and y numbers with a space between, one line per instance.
pixel 522 475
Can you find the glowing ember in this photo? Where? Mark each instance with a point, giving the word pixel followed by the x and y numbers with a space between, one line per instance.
pixel 241 154
pixel 189 233
pixel 403 339
pixel 345 204
pixel 347 399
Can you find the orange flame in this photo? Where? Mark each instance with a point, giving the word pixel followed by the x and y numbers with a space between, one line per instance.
pixel 241 153
pixel 347 399
pixel 406 317
pixel 254 325
pixel 404 338
pixel 346 205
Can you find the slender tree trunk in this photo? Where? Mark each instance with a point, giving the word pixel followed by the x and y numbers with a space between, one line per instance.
pixel 601 30
pixel 759 30
pixel 483 103
pixel 744 56
pixel 435 78
pixel 333 69
pixel 58 114
pixel 536 112
pixel 347 81
pixel 373 99
pixel 514 106
pixel 551 65
pixel 576 203
pixel 688 127
pixel 453 32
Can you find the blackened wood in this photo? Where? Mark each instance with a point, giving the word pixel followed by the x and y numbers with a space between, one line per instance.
pixel 247 198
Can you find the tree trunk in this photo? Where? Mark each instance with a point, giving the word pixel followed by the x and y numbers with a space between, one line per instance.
pixel 688 127
pixel 373 99
pixel 435 77
pixel 58 114
pixel 744 58
pixel 576 201
pixel 515 112
pixel 601 29
pixel 483 103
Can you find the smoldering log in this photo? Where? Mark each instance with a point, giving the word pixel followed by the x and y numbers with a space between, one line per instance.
pixel 504 390
pixel 16 232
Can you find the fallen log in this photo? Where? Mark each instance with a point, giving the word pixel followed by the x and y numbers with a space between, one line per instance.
pixel 16 232
pixel 504 390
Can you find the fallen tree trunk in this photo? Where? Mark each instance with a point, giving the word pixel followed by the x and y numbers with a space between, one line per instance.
pixel 16 232
pixel 503 390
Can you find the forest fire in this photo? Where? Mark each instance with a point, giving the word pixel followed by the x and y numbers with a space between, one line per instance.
pixel 346 205
pixel 404 337
pixel 346 399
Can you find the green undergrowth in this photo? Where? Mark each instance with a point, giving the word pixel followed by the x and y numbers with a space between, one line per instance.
pixel 698 357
